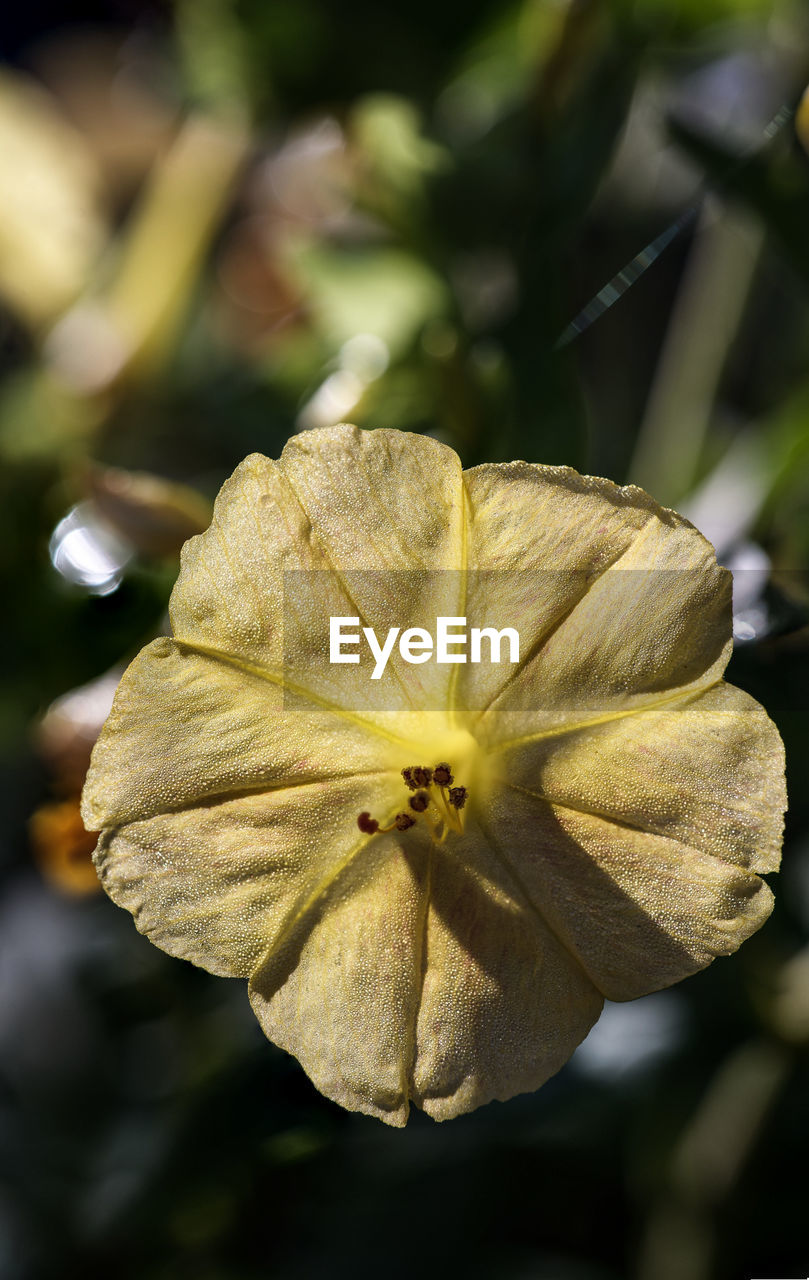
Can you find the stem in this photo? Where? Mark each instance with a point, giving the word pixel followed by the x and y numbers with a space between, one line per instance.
pixel 680 1238
pixel 706 315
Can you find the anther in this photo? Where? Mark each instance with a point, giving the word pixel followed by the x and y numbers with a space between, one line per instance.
pixel 457 797
pixel 439 806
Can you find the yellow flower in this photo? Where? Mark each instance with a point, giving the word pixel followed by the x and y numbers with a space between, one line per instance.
pixel 614 798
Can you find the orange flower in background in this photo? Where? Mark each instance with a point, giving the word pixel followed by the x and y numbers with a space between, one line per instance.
pixel 589 821
pixel 64 738
pixel 63 848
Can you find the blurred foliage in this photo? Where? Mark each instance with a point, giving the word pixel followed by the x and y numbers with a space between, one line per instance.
pixel 225 220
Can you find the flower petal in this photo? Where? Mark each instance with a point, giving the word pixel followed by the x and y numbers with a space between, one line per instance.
pixel 217 884
pixel 639 911
pixel 190 727
pixel 362 520
pixel 708 772
pixel 340 990
pixel 221 811
pixel 620 603
pixel 420 977
pixel 503 1002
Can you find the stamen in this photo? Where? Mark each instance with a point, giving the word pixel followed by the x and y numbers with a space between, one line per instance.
pixel 457 797
pixel 434 800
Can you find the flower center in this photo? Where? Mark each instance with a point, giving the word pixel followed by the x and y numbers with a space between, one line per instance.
pixel 434 800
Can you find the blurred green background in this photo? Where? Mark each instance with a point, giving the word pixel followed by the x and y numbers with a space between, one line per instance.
pixel 224 221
